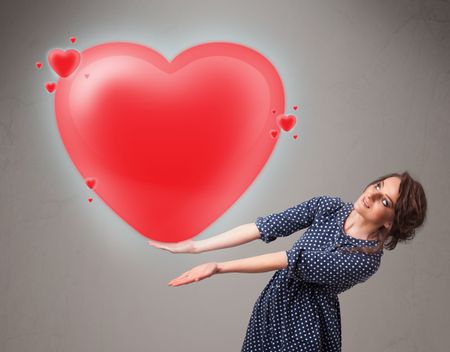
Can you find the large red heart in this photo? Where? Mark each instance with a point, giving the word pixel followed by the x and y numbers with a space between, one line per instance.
pixel 172 145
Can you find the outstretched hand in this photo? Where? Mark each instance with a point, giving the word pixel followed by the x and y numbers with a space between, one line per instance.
pixel 195 274
pixel 187 246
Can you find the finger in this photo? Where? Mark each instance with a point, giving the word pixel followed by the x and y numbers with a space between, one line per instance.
pixel 157 244
pixel 184 280
pixel 176 283
pixel 154 244
pixel 162 247
pixel 179 278
pixel 186 277
pixel 180 282
pixel 186 274
pixel 176 279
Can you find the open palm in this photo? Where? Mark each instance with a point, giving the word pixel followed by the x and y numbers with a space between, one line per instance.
pixel 195 274
pixel 175 247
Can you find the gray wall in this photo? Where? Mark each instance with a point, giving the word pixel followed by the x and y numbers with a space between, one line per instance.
pixel 373 81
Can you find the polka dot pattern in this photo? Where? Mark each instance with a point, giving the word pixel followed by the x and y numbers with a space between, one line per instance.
pixel 298 310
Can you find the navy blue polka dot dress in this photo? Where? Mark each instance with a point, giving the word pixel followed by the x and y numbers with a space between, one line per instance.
pixel 298 310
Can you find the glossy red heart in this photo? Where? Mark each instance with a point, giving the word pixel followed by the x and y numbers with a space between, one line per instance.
pixel 172 145
pixel 90 182
pixel 64 62
pixel 286 122
pixel 50 86
pixel 274 133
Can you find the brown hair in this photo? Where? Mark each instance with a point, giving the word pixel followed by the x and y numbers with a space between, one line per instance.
pixel 409 214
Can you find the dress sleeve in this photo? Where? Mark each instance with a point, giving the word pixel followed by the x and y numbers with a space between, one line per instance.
pixel 331 268
pixel 288 221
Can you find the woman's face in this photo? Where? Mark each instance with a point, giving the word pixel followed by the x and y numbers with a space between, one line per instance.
pixel 377 203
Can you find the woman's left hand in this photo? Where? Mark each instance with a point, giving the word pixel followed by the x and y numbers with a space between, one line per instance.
pixel 195 274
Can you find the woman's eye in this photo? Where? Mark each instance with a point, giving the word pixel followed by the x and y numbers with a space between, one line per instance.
pixel 384 201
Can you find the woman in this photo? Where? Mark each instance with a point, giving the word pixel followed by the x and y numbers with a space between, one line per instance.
pixel 299 310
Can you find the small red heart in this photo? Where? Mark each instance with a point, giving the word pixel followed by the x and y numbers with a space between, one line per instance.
pixel 274 133
pixel 274 111
pixel 287 123
pixel 295 107
pixel 38 65
pixel 89 200
pixel 73 39
pixel 295 136
pixel 64 62
pixel 51 86
pixel 90 182
pixel 86 75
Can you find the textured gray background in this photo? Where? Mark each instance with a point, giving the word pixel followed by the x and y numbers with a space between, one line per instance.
pixel 373 81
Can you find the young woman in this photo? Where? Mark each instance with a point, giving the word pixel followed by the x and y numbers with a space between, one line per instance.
pixel 299 310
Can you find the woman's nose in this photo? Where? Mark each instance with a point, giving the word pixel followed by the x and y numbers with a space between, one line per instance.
pixel 372 195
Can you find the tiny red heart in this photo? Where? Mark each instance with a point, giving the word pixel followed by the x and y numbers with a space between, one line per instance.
pixel 295 107
pixel 86 75
pixel 295 136
pixel 274 111
pixel 51 86
pixel 39 65
pixel 287 123
pixel 90 182
pixel 89 200
pixel 274 133
pixel 64 62
pixel 73 39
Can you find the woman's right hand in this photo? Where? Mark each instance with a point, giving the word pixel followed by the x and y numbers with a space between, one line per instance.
pixel 187 246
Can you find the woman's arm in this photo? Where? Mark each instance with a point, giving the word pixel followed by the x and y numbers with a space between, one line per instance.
pixel 258 264
pixel 234 237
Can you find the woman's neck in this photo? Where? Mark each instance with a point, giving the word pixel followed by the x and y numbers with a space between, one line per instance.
pixel 356 226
